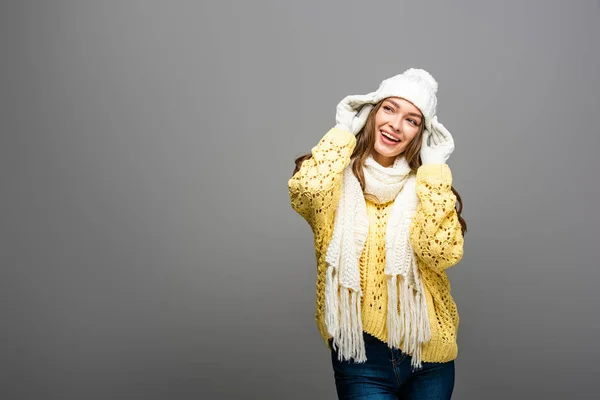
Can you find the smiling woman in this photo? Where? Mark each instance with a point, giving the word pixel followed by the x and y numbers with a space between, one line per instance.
pixel 377 193
pixel 397 121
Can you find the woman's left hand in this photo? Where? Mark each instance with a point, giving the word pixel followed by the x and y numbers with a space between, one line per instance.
pixel 441 144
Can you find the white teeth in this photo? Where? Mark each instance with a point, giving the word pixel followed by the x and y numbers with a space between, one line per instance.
pixel 389 136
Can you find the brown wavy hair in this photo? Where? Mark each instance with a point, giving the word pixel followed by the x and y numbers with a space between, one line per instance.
pixel 365 142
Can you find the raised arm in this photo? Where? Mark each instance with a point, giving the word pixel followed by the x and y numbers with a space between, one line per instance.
pixel 436 234
pixel 314 189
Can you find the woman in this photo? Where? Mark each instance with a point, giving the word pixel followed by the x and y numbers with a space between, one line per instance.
pixel 377 193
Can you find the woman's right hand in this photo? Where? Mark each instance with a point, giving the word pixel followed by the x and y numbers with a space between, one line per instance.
pixel 352 112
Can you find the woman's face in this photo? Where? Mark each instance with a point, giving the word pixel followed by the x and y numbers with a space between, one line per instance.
pixel 397 122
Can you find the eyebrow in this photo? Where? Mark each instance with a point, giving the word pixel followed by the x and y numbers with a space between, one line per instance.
pixel 398 106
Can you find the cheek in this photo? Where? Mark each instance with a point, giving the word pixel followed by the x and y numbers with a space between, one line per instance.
pixel 379 118
pixel 411 132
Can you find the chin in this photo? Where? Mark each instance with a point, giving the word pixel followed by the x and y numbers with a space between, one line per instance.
pixel 385 152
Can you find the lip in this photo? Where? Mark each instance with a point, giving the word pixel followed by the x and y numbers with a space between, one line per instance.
pixel 392 135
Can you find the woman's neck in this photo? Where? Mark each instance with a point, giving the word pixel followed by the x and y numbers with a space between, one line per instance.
pixel 382 160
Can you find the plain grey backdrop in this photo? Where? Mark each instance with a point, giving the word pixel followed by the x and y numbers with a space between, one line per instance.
pixel 148 248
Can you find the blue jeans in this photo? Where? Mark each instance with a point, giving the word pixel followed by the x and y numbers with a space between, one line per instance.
pixel 387 375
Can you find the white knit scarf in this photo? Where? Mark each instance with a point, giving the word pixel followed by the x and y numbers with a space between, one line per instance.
pixel 407 319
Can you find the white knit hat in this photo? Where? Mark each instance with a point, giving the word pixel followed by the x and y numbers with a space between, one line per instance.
pixel 414 85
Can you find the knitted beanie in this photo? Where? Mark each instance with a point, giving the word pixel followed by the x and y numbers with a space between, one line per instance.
pixel 414 85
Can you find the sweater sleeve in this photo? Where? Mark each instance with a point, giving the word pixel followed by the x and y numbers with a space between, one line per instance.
pixel 314 189
pixel 436 234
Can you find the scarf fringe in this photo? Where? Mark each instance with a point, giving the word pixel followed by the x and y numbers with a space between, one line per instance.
pixel 343 319
pixel 408 322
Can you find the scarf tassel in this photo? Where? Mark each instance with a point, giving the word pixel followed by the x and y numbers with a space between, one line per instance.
pixel 343 320
pixel 408 322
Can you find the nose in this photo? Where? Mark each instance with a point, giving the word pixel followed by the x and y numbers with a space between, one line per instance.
pixel 396 123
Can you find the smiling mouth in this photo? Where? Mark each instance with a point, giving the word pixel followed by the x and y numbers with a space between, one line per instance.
pixel 387 138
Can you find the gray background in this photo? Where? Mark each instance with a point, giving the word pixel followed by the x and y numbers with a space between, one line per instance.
pixel 148 246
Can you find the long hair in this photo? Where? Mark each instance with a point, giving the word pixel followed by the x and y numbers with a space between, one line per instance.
pixel 365 143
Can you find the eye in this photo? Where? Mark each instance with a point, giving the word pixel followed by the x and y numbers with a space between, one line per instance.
pixel 387 108
pixel 412 121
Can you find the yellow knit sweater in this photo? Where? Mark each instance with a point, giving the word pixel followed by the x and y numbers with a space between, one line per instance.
pixel 435 234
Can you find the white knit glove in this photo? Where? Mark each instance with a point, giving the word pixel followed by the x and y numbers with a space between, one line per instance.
pixel 441 144
pixel 352 112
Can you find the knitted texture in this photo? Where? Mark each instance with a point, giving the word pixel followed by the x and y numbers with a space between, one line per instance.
pixel 435 236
